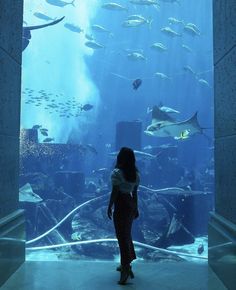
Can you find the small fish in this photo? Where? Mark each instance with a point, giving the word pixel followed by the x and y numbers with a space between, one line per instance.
pixel 194 26
pixel 73 27
pixel 137 22
pixel 159 46
pixel 183 135
pixel 36 127
pixel 86 107
pixel 191 30
pixel 162 76
pixel 48 140
pixel 43 16
pixel 145 2
pixel 204 82
pixel 200 249
pixel 136 56
pixel 173 20
pixel 170 32
pixel 100 28
pixel 114 6
pixel 60 3
pixel 136 84
pixel 44 133
pixel 93 45
pixel 186 47
pixel 188 68
pixel 136 16
pixel 89 36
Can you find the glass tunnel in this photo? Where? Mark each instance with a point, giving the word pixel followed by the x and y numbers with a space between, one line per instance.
pixel 97 76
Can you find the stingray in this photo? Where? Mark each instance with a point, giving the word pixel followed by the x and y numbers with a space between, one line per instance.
pixel 26 194
pixel 165 126
pixel 26 33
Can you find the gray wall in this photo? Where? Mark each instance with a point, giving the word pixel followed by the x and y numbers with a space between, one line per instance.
pixel 225 107
pixel 222 227
pixel 11 219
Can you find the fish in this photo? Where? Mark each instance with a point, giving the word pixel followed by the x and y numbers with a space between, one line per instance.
pixel 186 47
pixel 43 132
pixel 163 146
pixel 140 155
pixel 137 83
pixel 136 22
pixel 165 126
pixel 60 3
pixel 36 127
pixel 89 36
pixel 26 32
pixel 168 110
pixel 100 28
pixel 170 32
pixel 188 68
pixel 86 107
pixel 136 56
pixel 73 28
pixel 200 248
pixel 136 16
pixel 46 140
pixel 191 30
pixel 204 82
pixel 164 109
pixel 173 20
pixel 42 16
pixel 194 26
pixel 114 6
pixel 183 135
pixel 145 2
pixel 159 46
pixel 93 44
pixel 26 194
pixel 162 76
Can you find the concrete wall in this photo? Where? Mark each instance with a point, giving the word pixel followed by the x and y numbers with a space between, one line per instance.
pixel 222 227
pixel 11 218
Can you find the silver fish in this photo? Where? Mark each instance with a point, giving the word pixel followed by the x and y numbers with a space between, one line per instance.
pixel 93 44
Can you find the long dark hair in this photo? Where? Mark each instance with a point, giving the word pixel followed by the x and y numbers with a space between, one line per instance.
pixel 126 162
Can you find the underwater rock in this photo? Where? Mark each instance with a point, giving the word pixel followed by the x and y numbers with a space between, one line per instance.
pixel 29 135
pixel 73 183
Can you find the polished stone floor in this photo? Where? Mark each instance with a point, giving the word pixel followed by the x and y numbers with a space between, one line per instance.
pixel 101 275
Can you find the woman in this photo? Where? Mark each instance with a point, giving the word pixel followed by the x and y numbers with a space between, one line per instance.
pixel 125 181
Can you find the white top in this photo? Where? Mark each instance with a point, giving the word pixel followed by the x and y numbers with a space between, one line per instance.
pixel 117 178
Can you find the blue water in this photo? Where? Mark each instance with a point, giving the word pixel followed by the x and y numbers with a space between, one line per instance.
pixel 58 62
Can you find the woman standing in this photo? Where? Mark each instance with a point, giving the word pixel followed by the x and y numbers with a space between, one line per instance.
pixel 125 180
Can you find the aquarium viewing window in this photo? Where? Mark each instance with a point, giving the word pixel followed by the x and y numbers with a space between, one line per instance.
pixel 97 76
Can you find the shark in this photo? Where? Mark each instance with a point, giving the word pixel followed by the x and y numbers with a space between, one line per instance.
pixel 163 125
pixel 26 32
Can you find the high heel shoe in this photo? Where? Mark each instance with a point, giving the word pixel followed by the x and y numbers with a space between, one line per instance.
pixel 125 273
pixel 131 272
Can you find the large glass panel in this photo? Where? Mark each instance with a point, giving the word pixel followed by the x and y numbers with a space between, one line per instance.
pixel 97 76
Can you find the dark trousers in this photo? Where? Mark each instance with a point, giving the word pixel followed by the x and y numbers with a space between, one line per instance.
pixel 123 216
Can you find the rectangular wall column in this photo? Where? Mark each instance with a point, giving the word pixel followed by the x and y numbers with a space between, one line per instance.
pixel 12 245
pixel 222 226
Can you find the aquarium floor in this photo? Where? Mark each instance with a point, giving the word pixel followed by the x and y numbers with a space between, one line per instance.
pixel 101 275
